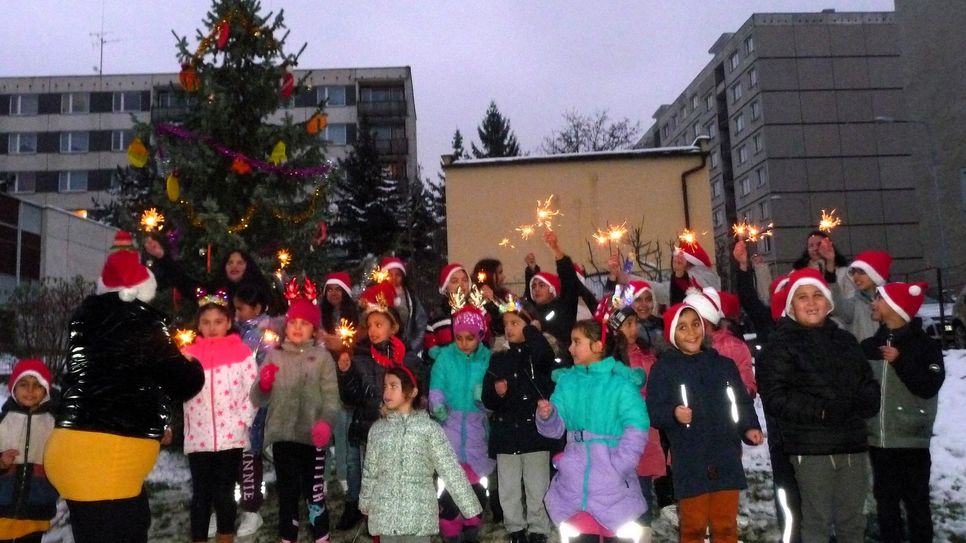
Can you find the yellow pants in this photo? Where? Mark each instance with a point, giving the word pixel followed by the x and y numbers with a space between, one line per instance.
pixel 94 466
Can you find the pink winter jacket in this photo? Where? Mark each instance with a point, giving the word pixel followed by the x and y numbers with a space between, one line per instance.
pixel 731 347
pixel 652 462
pixel 218 417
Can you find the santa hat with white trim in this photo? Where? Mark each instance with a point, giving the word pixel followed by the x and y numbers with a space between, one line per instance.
pixel 875 264
pixel 124 274
pixel 33 367
pixel 694 253
pixel 391 262
pixel 671 317
pixel 339 279
pixel 779 295
pixel 447 273
pixel 640 287
pixel 549 279
pixel 904 298
pixel 706 302
pixel 802 277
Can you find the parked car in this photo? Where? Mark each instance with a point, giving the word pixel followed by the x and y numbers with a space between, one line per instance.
pixel 929 313
pixel 959 320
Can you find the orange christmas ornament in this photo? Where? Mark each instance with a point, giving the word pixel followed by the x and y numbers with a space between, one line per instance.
pixel 189 78
pixel 316 123
pixel 137 153
pixel 240 166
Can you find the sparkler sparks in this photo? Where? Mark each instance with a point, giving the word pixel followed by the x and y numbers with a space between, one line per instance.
pixel 152 220
pixel 687 237
pixel 505 242
pixel 751 232
pixel 378 275
pixel 613 234
pixel 828 221
pixel 269 337
pixel 184 337
pixel 284 258
pixel 346 332
pixel 546 213
pixel 526 231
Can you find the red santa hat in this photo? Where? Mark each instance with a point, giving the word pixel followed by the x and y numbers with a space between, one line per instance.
pixel 379 297
pixel 549 279
pixel 875 264
pixel 904 298
pixel 302 308
pixel 581 273
pixel 706 302
pixel 123 272
pixel 639 288
pixel 730 305
pixel 33 367
pixel 339 279
pixel 802 277
pixel 694 254
pixel 671 317
pixel 391 262
pixel 779 293
pixel 447 273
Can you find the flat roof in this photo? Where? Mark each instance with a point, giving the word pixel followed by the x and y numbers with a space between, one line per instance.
pixel 656 152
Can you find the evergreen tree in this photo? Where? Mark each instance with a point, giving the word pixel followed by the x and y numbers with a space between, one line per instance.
pixel 424 240
pixel 496 138
pixel 368 205
pixel 459 153
pixel 218 175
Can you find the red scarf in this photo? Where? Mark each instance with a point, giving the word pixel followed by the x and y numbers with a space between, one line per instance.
pixel 396 349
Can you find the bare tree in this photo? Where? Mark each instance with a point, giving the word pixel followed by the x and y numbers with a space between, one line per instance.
pixel 595 132
pixel 40 313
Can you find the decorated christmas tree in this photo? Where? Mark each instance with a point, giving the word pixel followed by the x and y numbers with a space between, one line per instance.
pixel 221 160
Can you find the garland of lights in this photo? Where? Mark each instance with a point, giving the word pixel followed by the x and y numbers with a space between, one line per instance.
pixel 216 28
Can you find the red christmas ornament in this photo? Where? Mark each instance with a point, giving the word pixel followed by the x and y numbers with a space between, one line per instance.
pixel 321 234
pixel 288 84
pixel 240 166
pixel 224 30
pixel 189 78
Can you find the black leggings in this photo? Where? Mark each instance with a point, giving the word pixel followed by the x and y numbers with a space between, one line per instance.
pixel 36 537
pixel 300 472
pixel 118 521
pixel 213 476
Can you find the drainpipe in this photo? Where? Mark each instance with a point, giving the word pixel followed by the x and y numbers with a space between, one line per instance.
pixel 702 143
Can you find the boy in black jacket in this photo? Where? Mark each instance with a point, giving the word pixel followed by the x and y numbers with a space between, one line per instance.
pixel 909 367
pixel 555 296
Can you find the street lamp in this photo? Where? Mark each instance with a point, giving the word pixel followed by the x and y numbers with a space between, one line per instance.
pixel 934 174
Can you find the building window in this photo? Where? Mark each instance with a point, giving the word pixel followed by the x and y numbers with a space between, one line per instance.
pixel 749 45
pixel 716 189
pixel 25 182
pixel 382 94
pixel 753 77
pixel 22 143
pixel 336 134
pixel 694 102
pixel 120 139
pixel 742 154
pixel 711 129
pixel 755 110
pixel 756 142
pixel 127 101
pixel 75 102
pixel 709 102
pixel 739 122
pixel 334 95
pixel 736 92
pixel 696 129
pixel 74 142
pixel 23 104
pixel 74 181
pixel 666 131
pixel 745 184
pixel 764 245
pixel 734 60
pixel 761 177
pixel 684 113
pixel 714 158
pixel 763 210
pixel 719 217
pixel 674 120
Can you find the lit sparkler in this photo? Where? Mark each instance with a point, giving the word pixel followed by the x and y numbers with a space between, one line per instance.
pixel 152 220
pixel 481 277
pixel 828 221
pixel 505 242
pixel 751 232
pixel 687 237
pixel 526 231
pixel 184 337
pixel 378 275
pixel 346 332
pixel 269 337
pixel 546 213
pixel 612 235
pixel 284 258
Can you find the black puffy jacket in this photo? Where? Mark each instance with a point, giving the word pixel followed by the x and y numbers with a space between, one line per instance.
pixel 817 382
pixel 124 370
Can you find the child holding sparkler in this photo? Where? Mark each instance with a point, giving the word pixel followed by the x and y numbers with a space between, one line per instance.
pixel 555 296
pixel 439 331
pixel 518 377
pixel 695 396
pixel 299 386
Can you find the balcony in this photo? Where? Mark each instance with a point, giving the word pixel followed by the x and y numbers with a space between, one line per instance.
pixel 172 114
pixel 394 108
pixel 395 146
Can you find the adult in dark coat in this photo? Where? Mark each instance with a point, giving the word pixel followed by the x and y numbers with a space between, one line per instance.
pixel 123 373
pixel 813 377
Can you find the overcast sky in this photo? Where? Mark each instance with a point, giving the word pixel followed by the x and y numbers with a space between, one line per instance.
pixel 535 59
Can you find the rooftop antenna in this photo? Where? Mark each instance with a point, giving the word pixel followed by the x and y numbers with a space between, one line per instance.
pixel 100 41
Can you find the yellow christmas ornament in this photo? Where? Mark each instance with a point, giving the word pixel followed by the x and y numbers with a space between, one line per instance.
pixel 278 155
pixel 172 187
pixel 137 153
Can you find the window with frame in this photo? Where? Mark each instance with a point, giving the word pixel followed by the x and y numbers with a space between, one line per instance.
pixel 709 102
pixel 756 142
pixel 24 104
pixel 121 139
pixel 764 210
pixel 753 77
pixel 72 181
pixel 25 182
pixel 739 123
pixel 716 189
pixel 75 102
pixel 674 120
pixel 761 176
pixel 336 134
pixel 742 154
pixel 764 245
pixel 755 110
pixel 736 92
pixel 734 60
pixel 696 129
pixel 749 45
pixel 712 129
pixel 333 94
pixel 74 142
pixel 684 113
pixel 127 101
pixel 665 130
pixel 694 102
pixel 714 158
pixel 745 184
pixel 382 94
pixel 719 217
pixel 22 143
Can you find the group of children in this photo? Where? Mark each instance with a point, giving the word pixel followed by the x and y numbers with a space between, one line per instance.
pixel 582 438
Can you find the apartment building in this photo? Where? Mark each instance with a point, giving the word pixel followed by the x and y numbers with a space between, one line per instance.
pixel 794 104
pixel 62 137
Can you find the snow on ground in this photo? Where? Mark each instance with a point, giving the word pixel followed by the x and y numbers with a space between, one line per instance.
pixel 169 485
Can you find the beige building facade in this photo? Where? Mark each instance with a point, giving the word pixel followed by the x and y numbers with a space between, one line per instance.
pixel 660 190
